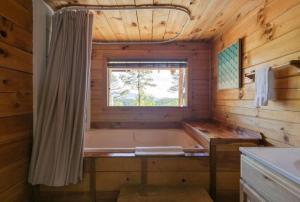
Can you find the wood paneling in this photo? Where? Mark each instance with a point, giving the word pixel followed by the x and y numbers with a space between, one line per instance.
pixel 197 55
pixel 279 121
pixel 105 176
pixel 223 144
pixel 208 18
pixel 15 99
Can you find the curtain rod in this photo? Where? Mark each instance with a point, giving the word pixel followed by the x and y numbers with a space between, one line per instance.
pixel 182 9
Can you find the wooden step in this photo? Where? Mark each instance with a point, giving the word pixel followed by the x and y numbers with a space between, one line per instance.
pixel 146 193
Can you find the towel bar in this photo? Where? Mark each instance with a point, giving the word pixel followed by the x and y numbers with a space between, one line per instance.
pixel 295 63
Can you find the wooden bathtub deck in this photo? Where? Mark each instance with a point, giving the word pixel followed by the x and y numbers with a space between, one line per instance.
pixel 140 193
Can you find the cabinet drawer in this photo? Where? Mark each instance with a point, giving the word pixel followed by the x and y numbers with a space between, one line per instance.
pixel 247 194
pixel 271 186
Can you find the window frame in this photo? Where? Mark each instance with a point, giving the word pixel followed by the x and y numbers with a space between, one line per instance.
pixel 188 104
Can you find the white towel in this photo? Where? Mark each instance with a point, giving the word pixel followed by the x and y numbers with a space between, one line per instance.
pixel 264 86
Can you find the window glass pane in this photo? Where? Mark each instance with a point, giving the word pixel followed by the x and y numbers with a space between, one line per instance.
pixel 148 87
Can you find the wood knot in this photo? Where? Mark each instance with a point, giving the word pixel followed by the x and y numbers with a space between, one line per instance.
pixel 16 105
pixel 286 138
pixel 238 16
pixel 219 14
pixel 3 34
pixel 241 94
pixel 3 52
pixel 163 23
pixel 125 47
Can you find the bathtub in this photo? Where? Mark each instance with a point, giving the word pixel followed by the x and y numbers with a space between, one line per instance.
pixel 107 141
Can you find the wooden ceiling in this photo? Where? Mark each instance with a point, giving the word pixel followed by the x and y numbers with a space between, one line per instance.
pixel 209 18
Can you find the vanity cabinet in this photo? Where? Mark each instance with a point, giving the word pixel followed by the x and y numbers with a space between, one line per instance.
pixel 270 174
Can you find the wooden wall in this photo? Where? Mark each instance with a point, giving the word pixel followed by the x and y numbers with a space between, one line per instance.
pixel 197 55
pixel 15 98
pixel 271 37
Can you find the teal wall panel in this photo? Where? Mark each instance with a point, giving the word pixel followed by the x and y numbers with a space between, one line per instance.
pixel 229 67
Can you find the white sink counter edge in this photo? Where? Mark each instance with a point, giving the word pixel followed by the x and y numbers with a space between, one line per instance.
pixel 254 152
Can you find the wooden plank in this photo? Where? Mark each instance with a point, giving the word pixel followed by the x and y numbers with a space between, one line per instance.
pixel 176 20
pixel 228 181
pixel 279 131
pixel 21 150
pixel 13 81
pixel 117 164
pixel 213 7
pixel 139 125
pixel 103 27
pixel 16 13
pixel 160 18
pixel 288 116
pixel 145 21
pixel 63 197
pixel 197 7
pixel 15 104
pixel 130 21
pixel 178 164
pixel 280 28
pixel 18 192
pixel 248 25
pixel 284 45
pixel 178 46
pixel 26 4
pixel 16 59
pixel 15 128
pixel 112 181
pixel 115 21
pixel 83 186
pixel 163 193
pixel 288 105
pixel 236 17
pixel 221 18
pixel 248 93
pixel 15 35
pixel 179 178
pixel 13 174
pixel 107 196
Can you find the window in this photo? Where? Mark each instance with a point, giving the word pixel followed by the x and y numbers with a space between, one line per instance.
pixel 147 83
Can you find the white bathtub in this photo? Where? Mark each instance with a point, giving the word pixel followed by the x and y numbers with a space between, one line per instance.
pixel 127 140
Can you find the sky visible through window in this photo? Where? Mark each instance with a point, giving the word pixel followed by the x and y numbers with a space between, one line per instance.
pixel 148 87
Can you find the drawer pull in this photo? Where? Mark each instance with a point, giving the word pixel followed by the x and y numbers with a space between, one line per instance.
pixel 267 178
pixel 3 34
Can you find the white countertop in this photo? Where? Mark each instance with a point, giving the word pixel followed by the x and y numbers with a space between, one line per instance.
pixel 285 161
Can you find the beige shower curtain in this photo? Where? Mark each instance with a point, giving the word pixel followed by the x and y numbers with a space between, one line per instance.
pixel 57 154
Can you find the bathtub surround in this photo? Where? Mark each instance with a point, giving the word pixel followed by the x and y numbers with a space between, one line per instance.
pixel 215 167
pixel 58 140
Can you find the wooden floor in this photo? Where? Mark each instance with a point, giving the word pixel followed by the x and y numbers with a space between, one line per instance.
pixel 140 193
